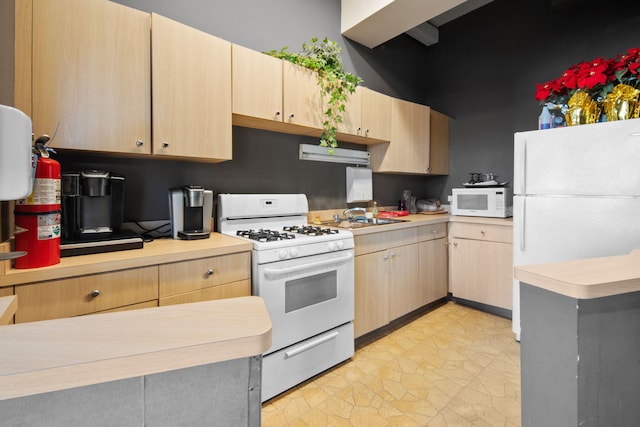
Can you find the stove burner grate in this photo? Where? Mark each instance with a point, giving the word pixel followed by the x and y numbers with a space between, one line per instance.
pixel 265 235
pixel 309 230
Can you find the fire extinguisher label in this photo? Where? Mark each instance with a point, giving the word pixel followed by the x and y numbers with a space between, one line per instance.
pixel 46 191
pixel 48 227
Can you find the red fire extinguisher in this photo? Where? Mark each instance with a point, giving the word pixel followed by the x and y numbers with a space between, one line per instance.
pixel 38 216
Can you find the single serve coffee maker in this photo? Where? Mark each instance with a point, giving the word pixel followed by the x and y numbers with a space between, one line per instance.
pixel 92 204
pixel 92 214
pixel 190 208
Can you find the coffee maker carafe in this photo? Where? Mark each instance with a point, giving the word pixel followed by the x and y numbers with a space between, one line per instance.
pixel 190 208
pixel 92 204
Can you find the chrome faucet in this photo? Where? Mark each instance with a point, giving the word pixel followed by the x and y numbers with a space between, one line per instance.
pixel 350 212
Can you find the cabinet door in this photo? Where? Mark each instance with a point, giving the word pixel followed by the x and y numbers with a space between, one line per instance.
pixel 302 100
pixel 439 144
pixel 86 294
pixel 408 151
pixel 372 292
pixel 404 285
pixel 433 268
pixel 191 92
pixel 376 115
pixel 91 71
pixel 187 276
pixel 481 271
pixel 257 84
pixel 352 116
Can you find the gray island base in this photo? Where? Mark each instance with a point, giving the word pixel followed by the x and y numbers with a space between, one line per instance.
pixel 580 342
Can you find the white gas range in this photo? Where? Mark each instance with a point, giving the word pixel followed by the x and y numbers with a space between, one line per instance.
pixel 305 275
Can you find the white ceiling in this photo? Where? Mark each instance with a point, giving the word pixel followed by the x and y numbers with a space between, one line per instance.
pixel 373 22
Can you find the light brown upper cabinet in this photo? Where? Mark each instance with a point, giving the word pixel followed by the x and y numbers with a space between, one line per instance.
pixel 91 71
pixel 191 92
pixel 273 94
pixel 376 115
pixel 439 144
pixel 367 118
pixel 301 97
pixel 352 116
pixel 408 151
pixel 257 84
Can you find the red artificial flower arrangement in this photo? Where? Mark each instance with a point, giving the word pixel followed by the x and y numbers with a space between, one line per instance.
pixel 597 78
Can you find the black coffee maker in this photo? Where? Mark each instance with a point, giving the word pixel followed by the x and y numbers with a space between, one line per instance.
pixel 92 213
pixel 92 204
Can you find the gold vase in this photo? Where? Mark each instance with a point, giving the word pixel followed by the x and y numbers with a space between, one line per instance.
pixel 622 103
pixel 582 109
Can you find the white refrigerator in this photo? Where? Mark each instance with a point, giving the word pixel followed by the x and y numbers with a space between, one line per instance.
pixel 576 195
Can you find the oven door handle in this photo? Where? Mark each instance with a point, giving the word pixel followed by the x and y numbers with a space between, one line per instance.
pixel 275 272
pixel 311 344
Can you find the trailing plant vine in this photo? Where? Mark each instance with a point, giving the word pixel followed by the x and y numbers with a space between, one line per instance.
pixel 335 84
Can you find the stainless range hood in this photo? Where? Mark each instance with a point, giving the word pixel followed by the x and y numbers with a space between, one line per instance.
pixel 335 155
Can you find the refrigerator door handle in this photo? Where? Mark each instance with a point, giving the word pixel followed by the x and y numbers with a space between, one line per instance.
pixel 520 166
pixel 521 223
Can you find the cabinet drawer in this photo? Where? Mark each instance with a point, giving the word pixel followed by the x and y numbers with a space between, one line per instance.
pixel 433 231
pixel 186 276
pixel 375 242
pixel 488 232
pixel 227 290
pixel 74 296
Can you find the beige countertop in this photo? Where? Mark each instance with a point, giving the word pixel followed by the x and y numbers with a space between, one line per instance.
pixel 51 355
pixel 586 278
pixel 417 220
pixel 156 252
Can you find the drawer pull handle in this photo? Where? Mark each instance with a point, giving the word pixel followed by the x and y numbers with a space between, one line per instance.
pixel 482 232
pixel 393 254
pixel 310 345
pixel 139 143
pixel 95 293
pixel 210 272
pixel 165 144
pixel 455 243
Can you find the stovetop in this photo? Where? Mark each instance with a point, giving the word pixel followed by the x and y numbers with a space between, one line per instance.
pixel 288 232
pixel 277 226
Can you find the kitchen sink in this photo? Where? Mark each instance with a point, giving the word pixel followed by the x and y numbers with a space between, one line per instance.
pixel 359 222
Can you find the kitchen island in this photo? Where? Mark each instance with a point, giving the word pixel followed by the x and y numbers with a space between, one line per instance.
pixel 185 364
pixel 580 346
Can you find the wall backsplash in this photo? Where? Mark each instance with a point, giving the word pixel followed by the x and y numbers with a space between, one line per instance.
pixel 263 162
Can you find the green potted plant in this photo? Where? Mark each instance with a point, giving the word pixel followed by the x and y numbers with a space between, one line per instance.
pixel 335 84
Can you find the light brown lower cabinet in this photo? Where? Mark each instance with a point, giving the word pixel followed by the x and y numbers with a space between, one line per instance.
pixel 223 276
pixel 397 272
pixel 216 277
pixel 92 293
pixel 433 263
pixel 481 263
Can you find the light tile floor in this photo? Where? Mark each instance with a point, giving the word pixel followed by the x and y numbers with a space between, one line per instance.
pixel 454 366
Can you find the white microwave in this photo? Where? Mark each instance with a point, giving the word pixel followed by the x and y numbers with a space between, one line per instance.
pixel 495 202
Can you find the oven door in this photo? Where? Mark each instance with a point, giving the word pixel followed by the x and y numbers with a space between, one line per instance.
pixel 306 296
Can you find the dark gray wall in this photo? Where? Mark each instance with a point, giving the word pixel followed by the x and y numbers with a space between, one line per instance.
pixel 484 71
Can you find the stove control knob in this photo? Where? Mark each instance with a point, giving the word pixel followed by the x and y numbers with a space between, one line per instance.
pixel 293 252
pixel 340 244
pixel 332 246
pixel 282 254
